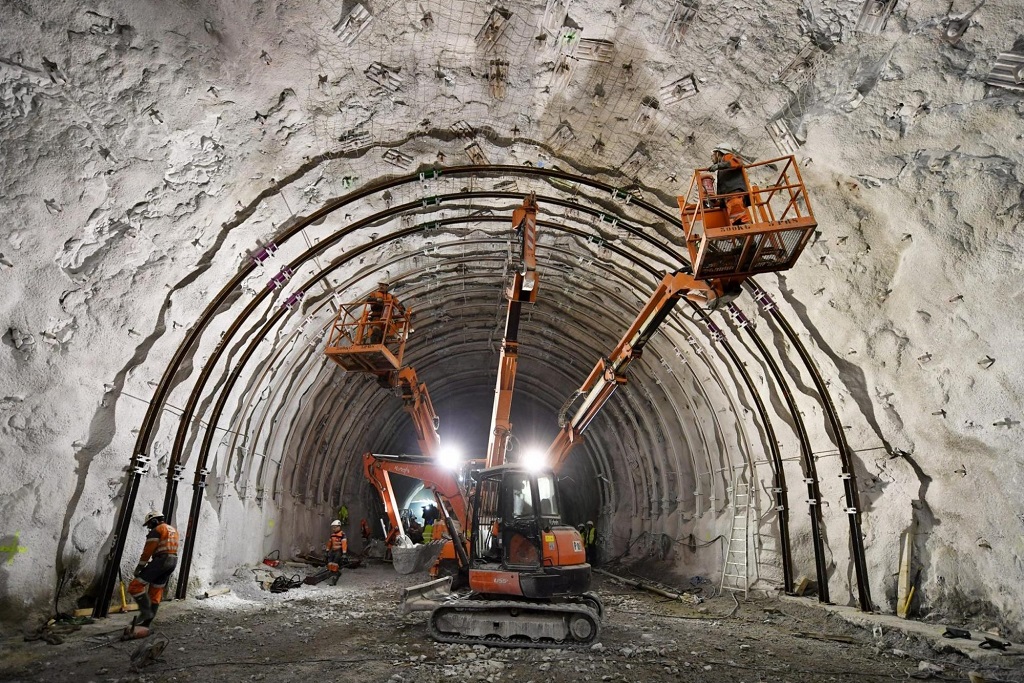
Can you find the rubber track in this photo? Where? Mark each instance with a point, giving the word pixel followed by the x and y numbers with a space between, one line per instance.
pixel 496 641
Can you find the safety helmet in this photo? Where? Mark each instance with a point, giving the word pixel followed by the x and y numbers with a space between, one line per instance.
pixel 590 523
pixel 336 522
pixel 723 147
pixel 151 515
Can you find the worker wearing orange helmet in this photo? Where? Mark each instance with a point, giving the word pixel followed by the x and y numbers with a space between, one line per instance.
pixel 337 551
pixel 158 561
pixel 732 184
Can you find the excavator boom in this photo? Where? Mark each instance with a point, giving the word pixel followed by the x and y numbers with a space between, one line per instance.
pixel 523 289
pixel 609 372
pixel 778 224
pixel 416 400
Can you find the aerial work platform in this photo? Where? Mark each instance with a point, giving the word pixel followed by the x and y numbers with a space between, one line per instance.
pixel 370 335
pixel 779 222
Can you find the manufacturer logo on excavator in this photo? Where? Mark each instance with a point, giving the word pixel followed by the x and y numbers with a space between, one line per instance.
pixel 402 470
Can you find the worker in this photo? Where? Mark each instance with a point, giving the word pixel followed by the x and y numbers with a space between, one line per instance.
pixel 590 541
pixel 337 551
pixel 430 516
pixel 375 314
pixel 732 184
pixel 158 561
pixel 415 531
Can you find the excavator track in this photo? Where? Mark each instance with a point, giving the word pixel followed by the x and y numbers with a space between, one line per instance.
pixel 514 624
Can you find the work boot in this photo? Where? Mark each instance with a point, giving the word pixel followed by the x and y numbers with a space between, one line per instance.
pixel 334 580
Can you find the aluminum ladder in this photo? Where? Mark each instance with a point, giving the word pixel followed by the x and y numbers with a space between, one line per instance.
pixel 735 575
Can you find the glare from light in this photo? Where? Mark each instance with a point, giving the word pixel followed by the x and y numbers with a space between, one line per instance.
pixel 450 457
pixel 534 459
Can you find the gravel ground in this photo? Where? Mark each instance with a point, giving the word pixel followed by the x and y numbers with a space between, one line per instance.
pixel 353 632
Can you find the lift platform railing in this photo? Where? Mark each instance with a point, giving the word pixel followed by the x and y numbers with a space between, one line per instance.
pixel 370 336
pixel 780 222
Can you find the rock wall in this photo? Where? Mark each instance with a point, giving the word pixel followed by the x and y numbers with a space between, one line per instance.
pixel 151 148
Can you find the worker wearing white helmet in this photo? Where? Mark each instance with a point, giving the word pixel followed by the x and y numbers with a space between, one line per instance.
pixel 158 561
pixel 337 551
pixel 732 185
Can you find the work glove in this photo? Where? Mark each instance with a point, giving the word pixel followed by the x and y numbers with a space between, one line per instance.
pixel 138 568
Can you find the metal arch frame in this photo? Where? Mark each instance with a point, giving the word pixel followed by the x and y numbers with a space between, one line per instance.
pixel 199 481
pixel 139 459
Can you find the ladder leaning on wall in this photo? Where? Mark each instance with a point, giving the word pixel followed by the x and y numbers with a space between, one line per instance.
pixel 735 573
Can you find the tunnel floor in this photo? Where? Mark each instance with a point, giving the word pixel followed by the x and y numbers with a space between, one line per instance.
pixel 353 632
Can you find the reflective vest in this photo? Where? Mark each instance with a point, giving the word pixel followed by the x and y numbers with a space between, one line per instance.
pixel 589 535
pixel 337 541
pixel 162 540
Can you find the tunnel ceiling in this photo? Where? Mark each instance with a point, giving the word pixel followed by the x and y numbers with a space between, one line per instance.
pixel 164 162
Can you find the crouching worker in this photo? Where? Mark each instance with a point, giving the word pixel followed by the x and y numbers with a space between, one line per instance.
pixel 158 561
pixel 337 551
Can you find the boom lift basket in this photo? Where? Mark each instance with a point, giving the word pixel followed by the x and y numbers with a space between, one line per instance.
pixel 781 223
pixel 370 335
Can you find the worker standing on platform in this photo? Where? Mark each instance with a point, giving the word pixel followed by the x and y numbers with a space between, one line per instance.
pixel 590 542
pixel 732 184
pixel 337 551
pixel 158 561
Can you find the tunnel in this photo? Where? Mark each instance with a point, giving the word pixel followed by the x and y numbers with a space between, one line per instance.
pixel 195 189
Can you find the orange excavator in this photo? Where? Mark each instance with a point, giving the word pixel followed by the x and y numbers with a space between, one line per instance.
pixel 526 570
pixel 444 483
pixel 525 555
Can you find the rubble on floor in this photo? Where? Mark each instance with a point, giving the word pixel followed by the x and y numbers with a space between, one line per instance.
pixel 354 632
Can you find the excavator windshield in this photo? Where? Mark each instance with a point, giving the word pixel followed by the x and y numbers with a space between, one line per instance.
pixel 546 497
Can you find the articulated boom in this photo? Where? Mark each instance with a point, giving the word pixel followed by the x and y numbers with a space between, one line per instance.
pixel 522 289
pixel 723 253
pixel 416 400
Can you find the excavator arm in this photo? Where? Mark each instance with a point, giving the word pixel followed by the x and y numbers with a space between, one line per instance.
pixel 522 289
pixel 443 482
pixel 609 372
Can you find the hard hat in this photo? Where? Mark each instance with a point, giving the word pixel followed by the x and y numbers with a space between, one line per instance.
pixel 336 522
pixel 151 515
pixel 589 523
pixel 723 147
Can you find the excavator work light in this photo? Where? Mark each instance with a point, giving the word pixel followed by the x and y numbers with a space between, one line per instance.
pixel 450 457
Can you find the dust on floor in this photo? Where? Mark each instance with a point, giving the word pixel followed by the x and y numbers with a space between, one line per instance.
pixel 353 632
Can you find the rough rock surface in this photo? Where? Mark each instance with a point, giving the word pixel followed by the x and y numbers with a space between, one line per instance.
pixel 151 149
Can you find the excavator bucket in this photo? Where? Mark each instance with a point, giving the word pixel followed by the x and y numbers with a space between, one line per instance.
pixel 426 596
pixel 417 558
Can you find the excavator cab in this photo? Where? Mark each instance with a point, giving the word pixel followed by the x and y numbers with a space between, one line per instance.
pixel 527 571
pixel 370 335
pixel 521 546
pixel 777 222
